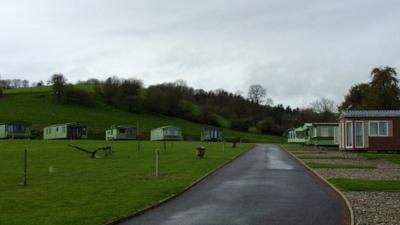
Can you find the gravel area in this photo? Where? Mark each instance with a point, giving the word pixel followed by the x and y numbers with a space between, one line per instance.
pixel 309 152
pixel 385 170
pixel 375 208
pixel 336 153
pixel 370 208
pixel 378 163
pixel 371 174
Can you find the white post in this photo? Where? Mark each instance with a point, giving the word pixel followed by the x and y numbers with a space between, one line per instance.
pixel 157 162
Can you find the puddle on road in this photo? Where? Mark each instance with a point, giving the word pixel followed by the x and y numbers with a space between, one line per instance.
pixel 276 161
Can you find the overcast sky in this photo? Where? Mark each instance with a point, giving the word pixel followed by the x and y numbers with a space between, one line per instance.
pixel 298 50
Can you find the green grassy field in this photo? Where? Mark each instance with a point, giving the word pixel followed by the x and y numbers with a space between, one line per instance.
pixel 365 185
pixel 66 186
pixel 36 105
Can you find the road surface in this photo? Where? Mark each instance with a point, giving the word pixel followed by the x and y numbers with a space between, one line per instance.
pixel 264 186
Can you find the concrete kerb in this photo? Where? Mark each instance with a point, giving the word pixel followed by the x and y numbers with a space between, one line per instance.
pixel 166 200
pixel 346 201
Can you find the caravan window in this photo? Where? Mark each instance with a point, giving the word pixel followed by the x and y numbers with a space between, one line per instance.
pixel 349 134
pixel 171 132
pixel 324 131
pixel 383 128
pixel 378 128
pixel 129 131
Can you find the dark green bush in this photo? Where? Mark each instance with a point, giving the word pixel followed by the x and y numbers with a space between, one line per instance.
pixel 78 96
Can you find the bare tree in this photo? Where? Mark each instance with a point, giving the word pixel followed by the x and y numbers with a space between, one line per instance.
pixel 269 102
pixel 58 81
pixel 323 105
pixel 257 93
pixel 180 83
pixel 25 83
pixel 16 83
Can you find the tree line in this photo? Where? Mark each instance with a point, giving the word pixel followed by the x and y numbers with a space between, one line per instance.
pixel 13 83
pixel 254 113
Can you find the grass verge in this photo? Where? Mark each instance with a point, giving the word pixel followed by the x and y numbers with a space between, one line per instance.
pixel 395 158
pixel 365 185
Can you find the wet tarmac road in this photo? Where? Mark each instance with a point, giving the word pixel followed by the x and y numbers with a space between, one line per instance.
pixel 264 186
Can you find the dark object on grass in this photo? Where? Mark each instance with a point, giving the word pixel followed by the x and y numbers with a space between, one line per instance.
pixel 234 144
pixel 200 151
pixel 107 150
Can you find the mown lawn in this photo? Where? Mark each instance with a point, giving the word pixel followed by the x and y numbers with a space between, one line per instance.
pixel 365 185
pixel 395 158
pixel 337 166
pixel 66 186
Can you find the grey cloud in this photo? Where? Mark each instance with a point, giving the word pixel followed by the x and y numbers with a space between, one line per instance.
pixel 299 50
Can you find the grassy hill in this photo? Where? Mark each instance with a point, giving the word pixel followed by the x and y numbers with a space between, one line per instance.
pixel 36 105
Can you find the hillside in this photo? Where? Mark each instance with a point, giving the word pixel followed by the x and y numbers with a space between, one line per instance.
pixel 36 105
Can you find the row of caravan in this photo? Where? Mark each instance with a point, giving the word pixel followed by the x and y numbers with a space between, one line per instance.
pixel 356 130
pixel 317 134
pixel 73 131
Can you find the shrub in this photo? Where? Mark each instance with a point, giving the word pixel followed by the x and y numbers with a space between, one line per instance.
pixel 232 139
pixel 165 99
pixel 254 130
pixel 78 96
pixel 241 124
pixel 121 93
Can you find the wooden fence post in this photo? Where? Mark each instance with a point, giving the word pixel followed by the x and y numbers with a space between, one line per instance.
pixel 25 166
pixel 157 162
